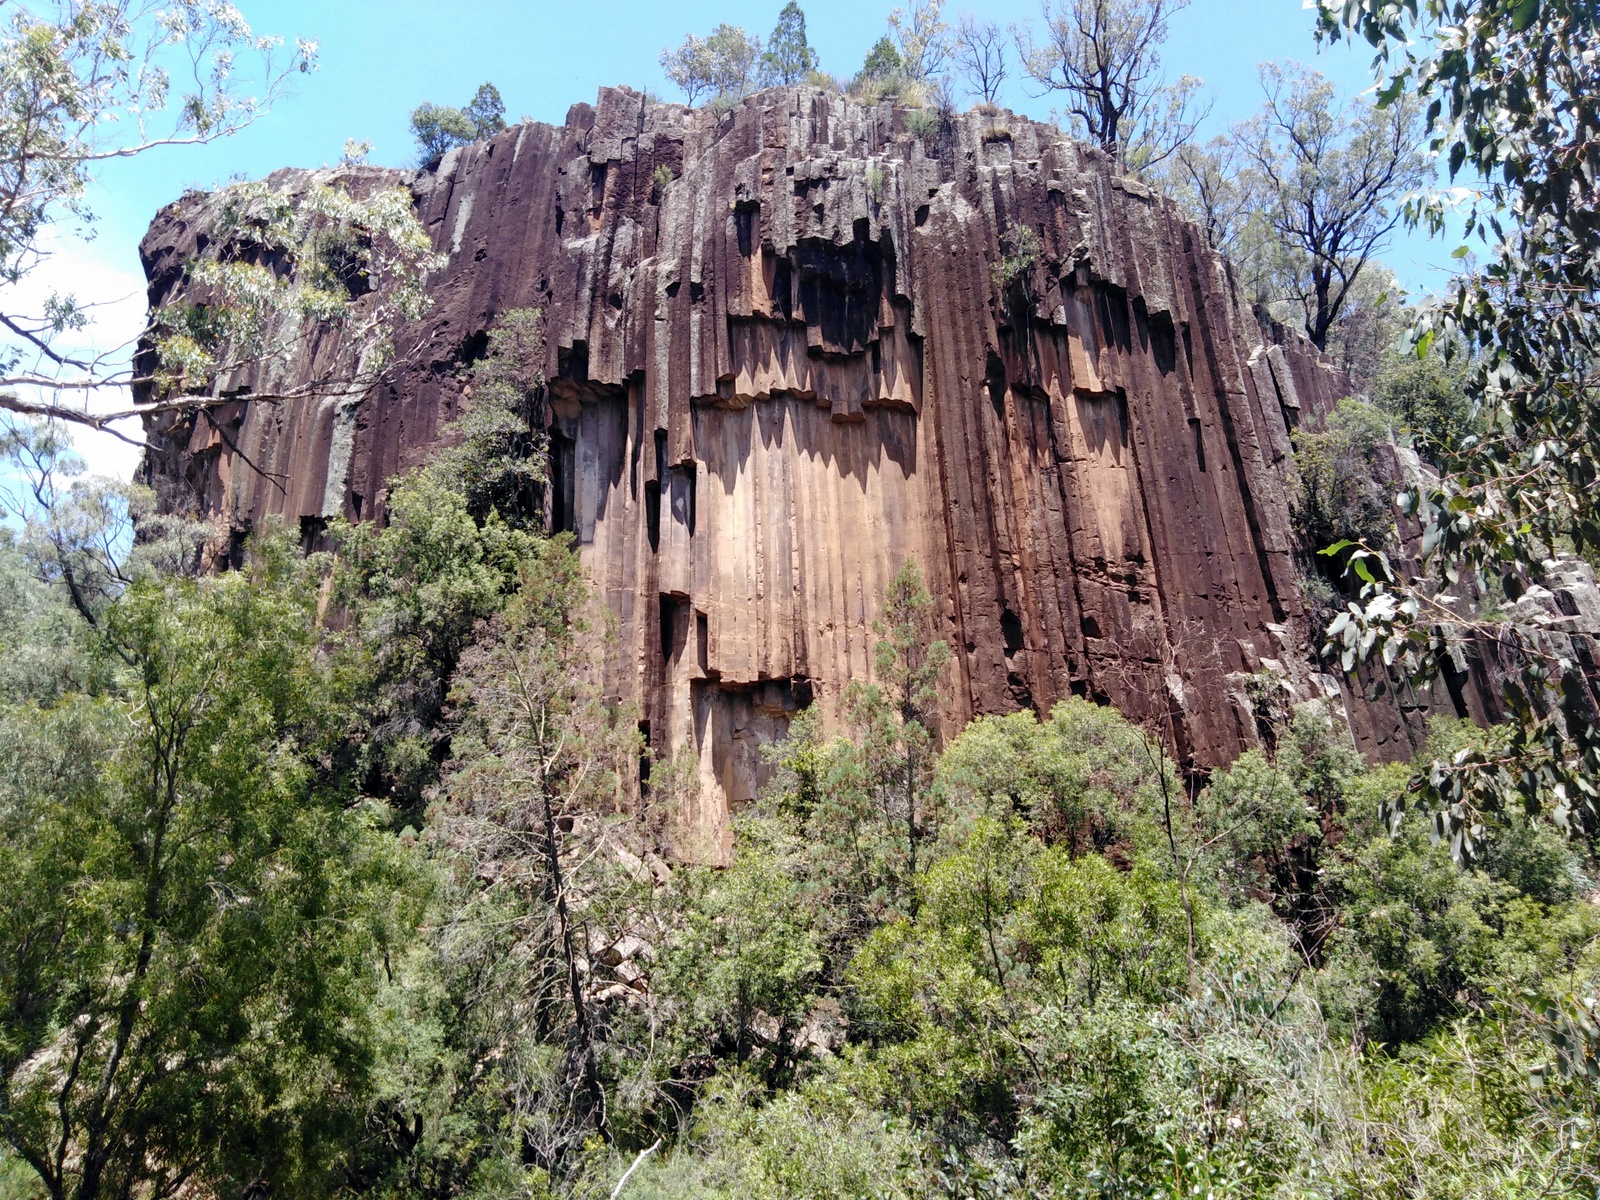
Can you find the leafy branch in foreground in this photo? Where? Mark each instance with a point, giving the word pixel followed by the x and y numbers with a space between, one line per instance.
pixel 87 83
pixel 279 268
pixel 1509 90
pixel 82 84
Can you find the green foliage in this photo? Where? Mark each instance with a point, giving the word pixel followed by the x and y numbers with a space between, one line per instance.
pixel 277 269
pixel 789 57
pixel 486 111
pixel 1427 399
pixel 1252 812
pixel 921 38
pixel 815 1143
pixel 439 128
pixel 507 1064
pixel 1499 82
pixel 191 905
pixel 875 182
pixel 1037 963
pixel 922 123
pixel 456 540
pixel 1017 264
pixel 72 76
pixel 895 718
pixel 720 65
pixel 416 588
pixel 1426 941
pixel 1080 778
pixel 883 63
pixel 1345 491
pixel 746 960
pixel 498 457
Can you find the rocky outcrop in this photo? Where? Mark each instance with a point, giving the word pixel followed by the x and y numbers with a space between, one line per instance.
pixel 793 344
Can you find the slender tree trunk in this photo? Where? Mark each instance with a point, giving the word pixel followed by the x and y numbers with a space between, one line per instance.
pixel 1159 756
pixel 911 827
pixel 580 1009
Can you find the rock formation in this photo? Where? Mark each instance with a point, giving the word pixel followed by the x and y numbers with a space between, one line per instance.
pixel 791 345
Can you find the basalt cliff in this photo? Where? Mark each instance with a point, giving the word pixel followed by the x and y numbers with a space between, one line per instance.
pixel 815 344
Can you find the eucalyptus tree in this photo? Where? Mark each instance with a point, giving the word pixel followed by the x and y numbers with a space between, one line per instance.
pixel 1103 57
pixel 439 127
pixel 84 84
pixel 720 65
pixel 1331 177
pixel 1510 95
pixel 922 38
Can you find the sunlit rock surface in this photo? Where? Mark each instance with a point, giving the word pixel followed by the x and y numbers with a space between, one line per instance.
pixel 795 364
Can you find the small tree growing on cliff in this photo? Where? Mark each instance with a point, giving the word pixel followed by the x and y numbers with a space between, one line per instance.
pixel 718 65
pixel 897 715
pixel 499 459
pixel 439 128
pixel 1103 57
pixel 789 57
pixel 486 111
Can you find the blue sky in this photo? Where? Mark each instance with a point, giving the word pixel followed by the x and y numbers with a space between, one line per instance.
pixel 380 58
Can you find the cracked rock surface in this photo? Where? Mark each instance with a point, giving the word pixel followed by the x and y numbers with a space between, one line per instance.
pixel 820 348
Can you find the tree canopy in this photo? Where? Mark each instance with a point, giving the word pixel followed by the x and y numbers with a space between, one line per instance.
pixel 788 58
pixel 1506 90
pixel 439 128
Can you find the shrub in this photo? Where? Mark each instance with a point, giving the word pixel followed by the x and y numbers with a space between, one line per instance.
pixel 1026 248
pixel 1251 812
pixel 922 123
pixel 825 81
pixel 1428 401
pixel 1345 491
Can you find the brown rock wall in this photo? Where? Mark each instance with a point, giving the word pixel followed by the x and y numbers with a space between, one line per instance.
pixel 793 366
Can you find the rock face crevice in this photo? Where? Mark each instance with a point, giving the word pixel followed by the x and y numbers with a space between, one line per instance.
pixel 799 362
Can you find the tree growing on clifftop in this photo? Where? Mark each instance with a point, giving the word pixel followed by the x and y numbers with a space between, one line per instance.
pixel 979 54
pixel 922 38
pixel 439 128
pixel 789 57
pixel 1330 178
pixel 1103 57
pixel 718 65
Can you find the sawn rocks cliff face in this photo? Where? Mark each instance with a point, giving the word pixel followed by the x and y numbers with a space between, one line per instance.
pixel 794 365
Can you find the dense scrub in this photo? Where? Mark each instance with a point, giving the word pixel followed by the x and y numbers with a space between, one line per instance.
pixel 332 875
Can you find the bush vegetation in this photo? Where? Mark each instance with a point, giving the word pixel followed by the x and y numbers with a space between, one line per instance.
pixel 370 906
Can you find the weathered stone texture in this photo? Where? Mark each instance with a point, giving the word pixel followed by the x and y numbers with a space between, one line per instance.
pixel 792 366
